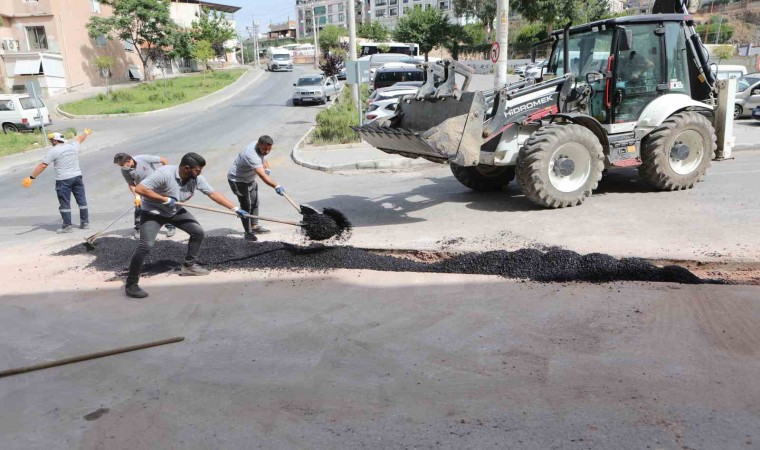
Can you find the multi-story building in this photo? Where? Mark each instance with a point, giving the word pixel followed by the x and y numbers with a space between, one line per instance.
pixel 325 12
pixel 283 30
pixel 46 40
pixel 185 12
pixel 388 12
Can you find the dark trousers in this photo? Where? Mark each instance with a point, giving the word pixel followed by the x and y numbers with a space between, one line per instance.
pixel 138 214
pixel 248 196
pixel 64 189
pixel 149 226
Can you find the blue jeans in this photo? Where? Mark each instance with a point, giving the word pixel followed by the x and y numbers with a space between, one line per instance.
pixel 64 189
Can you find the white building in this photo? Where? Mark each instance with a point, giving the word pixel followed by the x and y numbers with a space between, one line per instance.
pixel 388 12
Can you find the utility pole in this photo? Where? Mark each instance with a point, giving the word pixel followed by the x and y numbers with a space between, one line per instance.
pixel 355 88
pixel 316 41
pixel 502 38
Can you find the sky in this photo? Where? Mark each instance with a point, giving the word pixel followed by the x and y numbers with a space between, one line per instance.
pixel 265 11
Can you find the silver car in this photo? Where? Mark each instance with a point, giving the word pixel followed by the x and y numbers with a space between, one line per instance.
pixel 747 95
pixel 315 88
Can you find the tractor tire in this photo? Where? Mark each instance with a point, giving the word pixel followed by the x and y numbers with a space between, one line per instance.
pixel 560 165
pixel 483 178
pixel 678 153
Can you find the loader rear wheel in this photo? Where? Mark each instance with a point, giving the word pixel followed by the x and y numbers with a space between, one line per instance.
pixel 560 165
pixel 678 153
pixel 483 178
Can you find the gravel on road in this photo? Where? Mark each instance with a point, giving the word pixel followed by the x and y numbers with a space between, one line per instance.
pixel 225 253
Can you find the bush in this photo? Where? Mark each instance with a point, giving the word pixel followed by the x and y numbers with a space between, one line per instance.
pixel 334 124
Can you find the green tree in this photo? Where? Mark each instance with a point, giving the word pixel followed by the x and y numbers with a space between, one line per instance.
pixel 528 35
pixel 329 37
pixel 427 27
pixel 213 27
pixel 556 13
pixel 374 31
pixel 483 10
pixel 718 31
pixel 104 65
pixel 203 51
pixel 144 23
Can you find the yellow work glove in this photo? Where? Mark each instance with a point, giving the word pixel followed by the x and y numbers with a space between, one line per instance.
pixel 87 131
pixel 138 201
pixel 27 182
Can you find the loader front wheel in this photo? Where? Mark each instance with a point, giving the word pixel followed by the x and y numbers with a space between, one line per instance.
pixel 483 178
pixel 560 165
pixel 678 153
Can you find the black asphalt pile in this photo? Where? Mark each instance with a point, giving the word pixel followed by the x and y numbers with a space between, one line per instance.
pixel 218 252
pixel 331 223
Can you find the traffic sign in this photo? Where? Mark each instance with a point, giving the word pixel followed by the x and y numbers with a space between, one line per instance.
pixel 495 51
pixel 357 72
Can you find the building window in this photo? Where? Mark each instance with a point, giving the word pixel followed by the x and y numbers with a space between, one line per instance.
pixel 340 7
pixel 329 8
pixel 393 12
pixel 37 38
pixel 443 5
pixel 381 3
pixel 101 41
pixel 341 17
pixel 331 18
pixel 393 2
pixel 379 13
pixel 95 6
pixel 406 9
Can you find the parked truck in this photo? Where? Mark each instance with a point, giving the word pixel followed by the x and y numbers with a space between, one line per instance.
pixel 633 91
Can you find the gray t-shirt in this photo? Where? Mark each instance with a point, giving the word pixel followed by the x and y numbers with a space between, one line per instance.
pixel 144 166
pixel 166 181
pixel 244 167
pixel 65 160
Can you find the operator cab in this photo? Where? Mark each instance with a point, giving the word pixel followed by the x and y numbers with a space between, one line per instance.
pixel 627 63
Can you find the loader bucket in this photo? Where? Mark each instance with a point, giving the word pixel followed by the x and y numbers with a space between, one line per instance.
pixel 440 130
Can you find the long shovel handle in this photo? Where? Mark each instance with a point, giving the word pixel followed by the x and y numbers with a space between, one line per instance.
pixel 230 213
pixel 290 200
pixel 94 236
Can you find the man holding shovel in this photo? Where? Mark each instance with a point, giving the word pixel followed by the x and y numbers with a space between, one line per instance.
pixel 160 192
pixel 250 163
pixel 134 169
pixel 64 156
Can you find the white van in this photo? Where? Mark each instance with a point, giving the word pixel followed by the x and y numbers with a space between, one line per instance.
pixel 727 72
pixel 279 59
pixel 19 112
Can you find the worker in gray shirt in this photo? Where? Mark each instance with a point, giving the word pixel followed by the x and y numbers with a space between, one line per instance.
pixel 249 164
pixel 134 169
pixel 160 192
pixel 64 156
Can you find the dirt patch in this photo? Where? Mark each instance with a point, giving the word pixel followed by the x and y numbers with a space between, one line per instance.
pixel 223 253
pixel 728 271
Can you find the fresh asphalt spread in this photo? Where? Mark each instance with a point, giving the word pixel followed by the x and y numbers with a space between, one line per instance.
pixel 226 253
pixel 331 223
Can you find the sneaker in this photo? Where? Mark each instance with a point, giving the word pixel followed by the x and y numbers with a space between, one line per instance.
pixel 193 271
pixel 85 226
pixel 171 232
pixel 251 237
pixel 136 234
pixel 66 229
pixel 135 291
pixel 260 230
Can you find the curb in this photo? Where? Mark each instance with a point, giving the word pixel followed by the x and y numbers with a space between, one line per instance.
pixel 220 100
pixel 382 164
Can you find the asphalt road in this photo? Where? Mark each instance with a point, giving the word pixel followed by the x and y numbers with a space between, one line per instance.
pixel 362 359
pixel 426 209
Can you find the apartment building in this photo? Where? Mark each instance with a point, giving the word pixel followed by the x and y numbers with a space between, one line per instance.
pixel 184 12
pixel 47 40
pixel 325 12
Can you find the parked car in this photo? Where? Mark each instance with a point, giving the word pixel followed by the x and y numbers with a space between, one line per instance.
pixel 380 59
pixel 535 71
pixel 756 113
pixel 747 95
pixel 315 88
pixel 19 112
pixel 279 59
pixel 520 70
pixel 380 109
pixel 388 76
pixel 398 90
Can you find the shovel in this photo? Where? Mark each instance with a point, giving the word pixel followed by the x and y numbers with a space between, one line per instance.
pixel 302 209
pixel 89 243
pixel 268 219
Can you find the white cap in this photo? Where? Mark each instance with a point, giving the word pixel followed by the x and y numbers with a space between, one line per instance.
pixel 56 137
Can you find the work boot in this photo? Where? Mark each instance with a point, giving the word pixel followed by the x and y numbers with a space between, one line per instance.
pixel 136 234
pixel 251 237
pixel 258 229
pixel 135 291
pixel 170 231
pixel 85 226
pixel 65 229
pixel 193 271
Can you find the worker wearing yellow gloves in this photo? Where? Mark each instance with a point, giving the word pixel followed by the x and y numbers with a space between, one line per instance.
pixel 68 177
pixel 134 169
